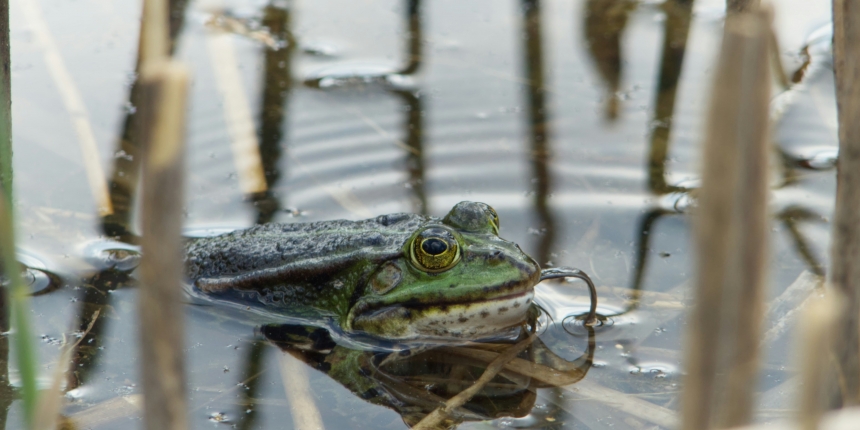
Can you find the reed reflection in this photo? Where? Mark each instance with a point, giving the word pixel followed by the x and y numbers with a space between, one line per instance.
pixel 538 125
pixel 414 382
pixel 251 380
pixel 94 312
pixel 413 37
pixel 677 30
pixel 677 27
pixel 605 21
pixel 125 178
pixel 412 103
pixel 277 85
pixel 414 140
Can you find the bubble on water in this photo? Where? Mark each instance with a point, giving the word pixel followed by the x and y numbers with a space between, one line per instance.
pixel 351 75
pixel 320 49
pixel 821 160
pixel 658 370
pixel 219 417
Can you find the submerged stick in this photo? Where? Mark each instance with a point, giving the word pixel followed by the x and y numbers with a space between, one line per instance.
pixel 845 248
pixel 731 234
pixel 165 87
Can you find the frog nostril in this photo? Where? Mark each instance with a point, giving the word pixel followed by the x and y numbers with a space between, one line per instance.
pixel 496 255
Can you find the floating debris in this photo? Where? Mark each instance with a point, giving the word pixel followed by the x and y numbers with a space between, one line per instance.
pixel 219 417
pixel 350 75
pixel 250 28
pixel 822 160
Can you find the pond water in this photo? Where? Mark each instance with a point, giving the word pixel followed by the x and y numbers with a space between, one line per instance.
pixel 574 119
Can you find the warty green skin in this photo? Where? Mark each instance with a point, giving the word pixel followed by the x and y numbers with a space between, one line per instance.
pixel 360 273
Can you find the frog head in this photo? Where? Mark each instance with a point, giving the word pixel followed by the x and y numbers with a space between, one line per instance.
pixel 455 278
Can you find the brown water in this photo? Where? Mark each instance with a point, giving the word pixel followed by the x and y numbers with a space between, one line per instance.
pixel 556 113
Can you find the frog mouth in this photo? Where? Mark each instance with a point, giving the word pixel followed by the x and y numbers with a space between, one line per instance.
pixel 466 318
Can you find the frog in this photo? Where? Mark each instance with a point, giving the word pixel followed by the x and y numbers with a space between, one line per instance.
pixel 398 276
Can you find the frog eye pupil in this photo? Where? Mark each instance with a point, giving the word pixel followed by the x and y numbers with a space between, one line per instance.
pixel 434 246
pixel 434 249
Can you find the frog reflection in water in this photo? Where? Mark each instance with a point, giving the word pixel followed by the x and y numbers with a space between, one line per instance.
pixel 399 276
pixel 414 382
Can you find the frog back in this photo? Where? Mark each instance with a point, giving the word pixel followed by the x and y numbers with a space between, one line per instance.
pixel 280 254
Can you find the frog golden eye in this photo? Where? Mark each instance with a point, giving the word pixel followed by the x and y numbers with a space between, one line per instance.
pixel 435 249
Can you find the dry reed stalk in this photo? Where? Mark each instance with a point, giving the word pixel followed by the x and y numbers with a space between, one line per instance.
pixel 734 6
pixel 434 419
pixel 237 114
pixel 294 374
pixel 5 103
pixel 845 248
pixel 162 129
pixel 154 42
pixel 73 103
pixel 816 334
pixel 731 233
pixel 844 419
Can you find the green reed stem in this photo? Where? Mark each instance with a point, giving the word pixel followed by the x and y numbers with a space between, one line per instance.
pixel 5 104
pixel 19 305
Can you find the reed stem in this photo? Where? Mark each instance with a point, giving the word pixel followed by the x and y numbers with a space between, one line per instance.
pixel 5 104
pixel 845 248
pixel 816 333
pixel 731 233
pixel 19 305
pixel 164 88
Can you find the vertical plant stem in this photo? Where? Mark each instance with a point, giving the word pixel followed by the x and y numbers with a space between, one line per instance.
pixel 816 333
pixel 5 104
pixel 154 43
pixel 164 87
pixel 845 249
pixel 733 6
pixel 731 233
pixel 19 305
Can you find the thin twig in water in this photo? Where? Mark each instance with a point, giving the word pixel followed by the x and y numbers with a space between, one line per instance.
pixel 435 418
pixel 51 401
